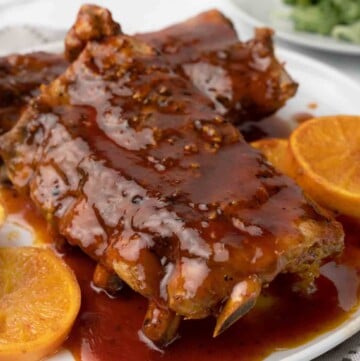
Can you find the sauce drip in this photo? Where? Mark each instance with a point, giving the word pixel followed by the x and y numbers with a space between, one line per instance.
pixel 270 127
pixel 273 126
pixel 302 117
pixel 107 329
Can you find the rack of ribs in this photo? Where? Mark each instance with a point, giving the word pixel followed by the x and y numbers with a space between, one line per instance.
pixel 129 160
pixel 244 80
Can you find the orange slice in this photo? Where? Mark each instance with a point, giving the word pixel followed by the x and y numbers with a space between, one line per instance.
pixel 276 151
pixel 326 153
pixel 39 301
pixel 2 215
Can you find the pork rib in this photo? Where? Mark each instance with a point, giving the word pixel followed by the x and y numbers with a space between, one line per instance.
pixel 20 80
pixel 244 80
pixel 130 161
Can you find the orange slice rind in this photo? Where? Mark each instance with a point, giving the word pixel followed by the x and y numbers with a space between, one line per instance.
pixel 39 301
pixel 326 153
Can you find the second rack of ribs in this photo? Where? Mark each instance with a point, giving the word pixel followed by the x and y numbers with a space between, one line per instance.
pixel 243 79
pixel 130 162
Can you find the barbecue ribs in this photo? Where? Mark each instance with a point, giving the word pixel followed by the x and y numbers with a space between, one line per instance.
pixel 128 159
pixel 244 80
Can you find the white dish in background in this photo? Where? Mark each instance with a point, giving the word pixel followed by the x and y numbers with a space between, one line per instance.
pixel 275 14
pixel 333 93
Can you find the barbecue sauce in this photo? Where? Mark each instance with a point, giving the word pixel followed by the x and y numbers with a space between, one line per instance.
pixel 107 329
pixel 20 80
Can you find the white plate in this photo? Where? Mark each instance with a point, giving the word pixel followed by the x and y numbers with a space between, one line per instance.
pixel 275 14
pixel 333 93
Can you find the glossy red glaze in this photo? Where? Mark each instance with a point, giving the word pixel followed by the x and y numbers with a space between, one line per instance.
pixel 20 80
pixel 107 329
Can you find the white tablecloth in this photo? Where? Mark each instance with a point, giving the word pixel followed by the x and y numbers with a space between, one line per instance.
pixel 46 21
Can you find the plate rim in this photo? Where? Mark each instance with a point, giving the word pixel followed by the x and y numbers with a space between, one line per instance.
pixel 314 63
pixel 297 38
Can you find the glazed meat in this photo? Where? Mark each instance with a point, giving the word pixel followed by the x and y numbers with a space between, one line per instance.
pixel 20 79
pixel 244 80
pixel 130 161
pixel 188 40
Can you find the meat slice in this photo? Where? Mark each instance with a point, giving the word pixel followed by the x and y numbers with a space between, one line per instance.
pixel 244 80
pixel 21 75
pixel 182 42
pixel 129 161
pixel 20 79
